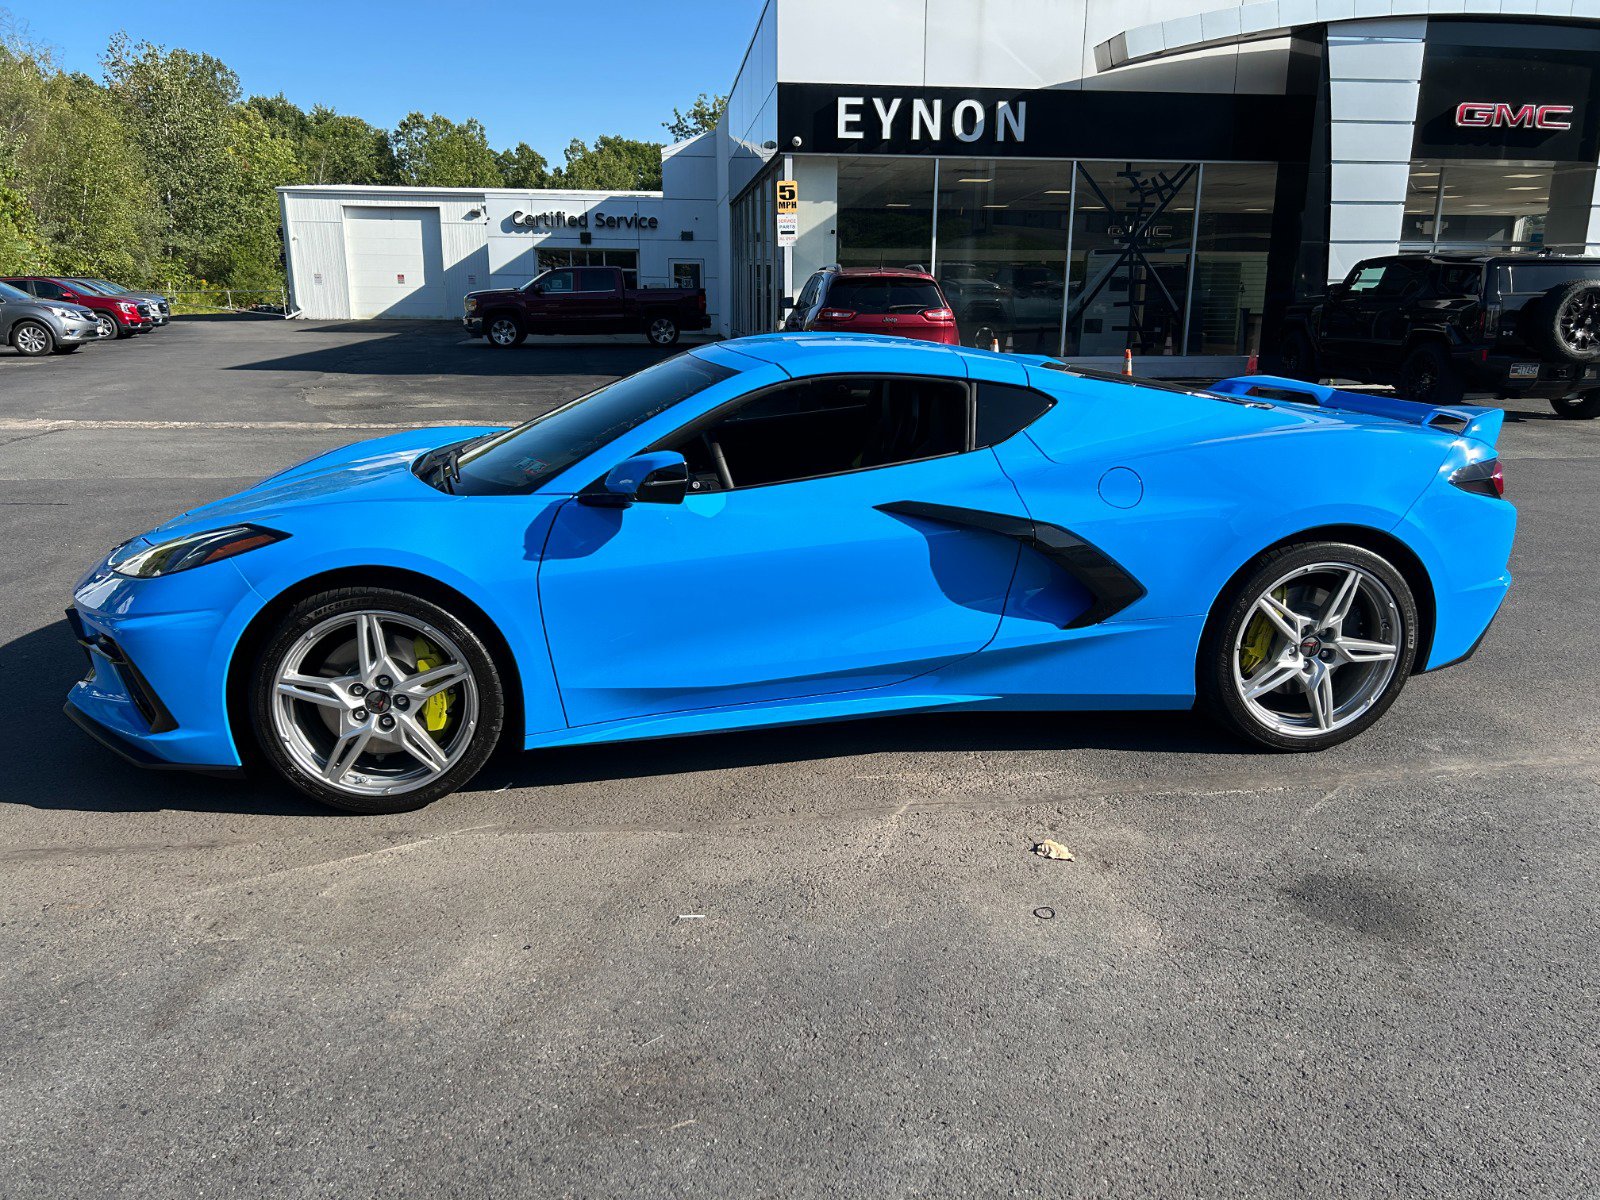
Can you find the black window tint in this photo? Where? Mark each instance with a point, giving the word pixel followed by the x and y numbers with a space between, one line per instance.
pixel 47 290
pixel 10 291
pixel 1532 278
pixel 828 426
pixel 883 295
pixel 1459 280
pixel 597 281
pixel 1004 411
pixel 1398 278
pixel 523 458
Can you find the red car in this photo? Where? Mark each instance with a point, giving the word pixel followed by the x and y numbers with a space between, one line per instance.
pixel 905 303
pixel 116 316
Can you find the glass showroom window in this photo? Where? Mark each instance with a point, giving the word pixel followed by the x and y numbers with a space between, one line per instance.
pixel 1498 206
pixel 1132 236
pixel 1002 250
pixel 1232 244
pixel 885 214
pixel 628 260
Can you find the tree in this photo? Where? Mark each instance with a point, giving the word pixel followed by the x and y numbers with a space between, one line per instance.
pixel 702 117
pixel 249 256
pixel 612 164
pixel 342 149
pixel 523 167
pixel 436 152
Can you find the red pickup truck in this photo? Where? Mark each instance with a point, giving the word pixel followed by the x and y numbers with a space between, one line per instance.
pixel 584 300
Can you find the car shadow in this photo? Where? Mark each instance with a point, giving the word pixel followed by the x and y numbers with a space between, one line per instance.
pixel 59 767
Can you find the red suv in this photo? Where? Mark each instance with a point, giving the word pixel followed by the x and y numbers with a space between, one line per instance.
pixel 117 317
pixel 905 303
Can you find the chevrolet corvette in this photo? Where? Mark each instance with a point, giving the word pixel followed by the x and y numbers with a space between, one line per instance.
pixel 796 528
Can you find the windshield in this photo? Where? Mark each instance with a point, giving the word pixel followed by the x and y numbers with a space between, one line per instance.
pixel 522 459
pixel 91 285
pixel 7 292
pixel 884 294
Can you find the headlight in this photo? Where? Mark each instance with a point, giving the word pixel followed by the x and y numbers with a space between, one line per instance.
pixel 65 313
pixel 192 550
pixel 471 304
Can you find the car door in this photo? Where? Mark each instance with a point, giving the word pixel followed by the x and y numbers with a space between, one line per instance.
pixel 1389 309
pixel 1346 312
pixel 599 300
pixel 549 302
pixel 805 577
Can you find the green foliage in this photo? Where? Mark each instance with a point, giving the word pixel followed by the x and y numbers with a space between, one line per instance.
pixel 612 164
pixel 523 167
pixel 21 251
pixel 702 117
pixel 436 152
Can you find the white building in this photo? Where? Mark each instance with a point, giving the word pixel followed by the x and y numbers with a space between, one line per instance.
pixel 1083 176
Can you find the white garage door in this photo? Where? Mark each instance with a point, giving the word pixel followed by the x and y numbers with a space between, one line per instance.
pixel 396 267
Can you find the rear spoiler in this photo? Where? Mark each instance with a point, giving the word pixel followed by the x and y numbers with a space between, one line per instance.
pixel 1458 419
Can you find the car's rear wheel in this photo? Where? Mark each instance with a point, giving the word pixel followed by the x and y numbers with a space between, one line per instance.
pixel 376 701
pixel 1566 321
pixel 1583 407
pixel 1429 377
pixel 32 339
pixel 1309 648
pixel 661 329
pixel 503 330
pixel 107 325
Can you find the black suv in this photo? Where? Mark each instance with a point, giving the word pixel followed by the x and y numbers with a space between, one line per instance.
pixel 1436 325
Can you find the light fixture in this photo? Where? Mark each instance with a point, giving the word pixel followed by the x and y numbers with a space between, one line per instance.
pixel 897 206
pixel 1058 191
pixel 1526 187
pixel 1534 175
pixel 1255 210
pixel 1425 174
pixel 996 206
pixel 989 180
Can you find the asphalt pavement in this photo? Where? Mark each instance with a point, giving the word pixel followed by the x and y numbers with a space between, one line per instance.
pixel 807 962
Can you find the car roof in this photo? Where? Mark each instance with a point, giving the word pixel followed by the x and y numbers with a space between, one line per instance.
pixel 810 353
pixel 1462 257
pixel 891 272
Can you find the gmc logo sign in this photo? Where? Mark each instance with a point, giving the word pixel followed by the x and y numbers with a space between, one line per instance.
pixel 1494 114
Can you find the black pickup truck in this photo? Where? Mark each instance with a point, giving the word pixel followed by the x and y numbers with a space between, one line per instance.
pixel 1436 325
pixel 584 300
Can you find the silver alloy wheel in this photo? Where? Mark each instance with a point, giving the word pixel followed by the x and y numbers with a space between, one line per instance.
pixel 661 331
pixel 503 331
pixel 108 327
pixel 32 339
pixel 350 703
pixel 1317 649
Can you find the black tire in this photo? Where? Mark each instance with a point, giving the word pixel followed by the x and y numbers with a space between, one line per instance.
pixel 1217 686
pixel 661 329
pixel 1429 377
pixel 313 611
pixel 503 330
pixel 1297 357
pixel 109 329
pixel 1565 321
pixel 32 339
pixel 1585 406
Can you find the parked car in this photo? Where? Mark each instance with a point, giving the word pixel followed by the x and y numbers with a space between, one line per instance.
pixel 787 529
pixel 904 303
pixel 35 327
pixel 584 300
pixel 117 317
pixel 1435 325
pixel 160 306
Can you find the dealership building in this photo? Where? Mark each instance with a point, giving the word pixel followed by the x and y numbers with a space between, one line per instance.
pixel 1082 176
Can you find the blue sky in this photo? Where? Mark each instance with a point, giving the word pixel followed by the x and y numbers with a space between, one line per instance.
pixel 537 71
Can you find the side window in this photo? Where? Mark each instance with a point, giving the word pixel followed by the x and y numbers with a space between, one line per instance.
pixel 596 281
pixel 558 281
pixel 1458 281
pixel 1004 411
pixel 828 426
pixel 1399 279
pixel 1365 278
pixel 808 294
pixel 47 290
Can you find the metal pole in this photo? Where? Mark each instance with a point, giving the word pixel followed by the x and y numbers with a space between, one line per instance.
pixel 933 248
pixel 1066 282
pixel 1438 208
pixel 1194 254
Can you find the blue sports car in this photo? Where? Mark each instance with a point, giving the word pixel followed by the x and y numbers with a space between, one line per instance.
pixel 796 528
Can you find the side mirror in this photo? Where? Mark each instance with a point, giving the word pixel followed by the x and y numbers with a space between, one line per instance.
pixel 1338 291
pixel 660 477
pixel 788 301
pixel 537 289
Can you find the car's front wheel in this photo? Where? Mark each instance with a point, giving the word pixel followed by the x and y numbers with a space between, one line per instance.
pixel 107 326
pixel 504 330
pixel 1583 407
pixel 32 339
pixel 376 701
pixel 1310 648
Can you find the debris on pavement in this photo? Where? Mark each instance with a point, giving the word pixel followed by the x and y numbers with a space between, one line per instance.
pixel 1050 849
pixel 1044 914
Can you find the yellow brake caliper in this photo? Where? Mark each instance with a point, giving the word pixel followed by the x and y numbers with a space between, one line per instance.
pixel 436 708
pixel 1257 641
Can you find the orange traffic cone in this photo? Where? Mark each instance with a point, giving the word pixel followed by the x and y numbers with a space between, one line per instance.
pixel 1127 362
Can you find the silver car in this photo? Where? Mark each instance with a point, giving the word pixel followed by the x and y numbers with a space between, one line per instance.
pixel 36 327
pixel 160 306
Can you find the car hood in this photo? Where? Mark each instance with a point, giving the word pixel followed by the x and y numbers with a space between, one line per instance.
pixel 374 470
pixel 482 292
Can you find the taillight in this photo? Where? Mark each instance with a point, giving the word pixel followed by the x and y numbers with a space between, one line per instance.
pixel 836 314
pixel 702 299
pixel 939 316
pixel 1482 478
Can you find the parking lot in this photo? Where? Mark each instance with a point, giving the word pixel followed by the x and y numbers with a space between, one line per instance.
pixel 802 962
